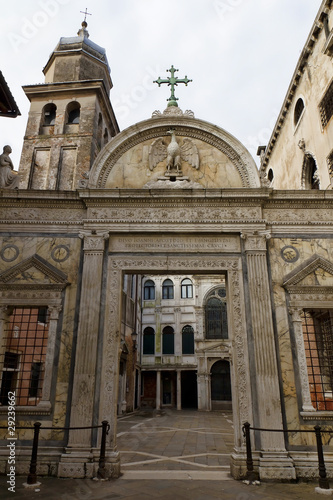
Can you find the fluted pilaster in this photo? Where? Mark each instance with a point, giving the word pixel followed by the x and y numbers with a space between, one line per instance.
pixel 87 341
pixel 266 370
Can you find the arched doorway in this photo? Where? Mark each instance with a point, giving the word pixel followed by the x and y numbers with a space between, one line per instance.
pixel 221 386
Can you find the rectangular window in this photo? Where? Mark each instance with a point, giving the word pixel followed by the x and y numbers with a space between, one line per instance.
pixel 326 106
pixel 318 342
pixel 168 343
pixel 24 355
pixel 188 343
pixel 35 380
pixel 9 375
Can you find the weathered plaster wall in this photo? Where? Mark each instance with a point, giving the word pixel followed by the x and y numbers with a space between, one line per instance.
pixel 287 158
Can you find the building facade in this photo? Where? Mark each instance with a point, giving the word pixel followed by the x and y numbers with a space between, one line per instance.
pixel 186 348
pixel 179 202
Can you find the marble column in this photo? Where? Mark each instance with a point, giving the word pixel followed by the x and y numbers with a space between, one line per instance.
pixel 208 384
pixel 301 358
pixel 158 390
pixel 5 313
pixel 265 371
pixel 179 390
pixel 82 409
pixel 49 358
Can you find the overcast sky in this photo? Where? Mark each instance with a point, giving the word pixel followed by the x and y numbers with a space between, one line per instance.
pixel 240 54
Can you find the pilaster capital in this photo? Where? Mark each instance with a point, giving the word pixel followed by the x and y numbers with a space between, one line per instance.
pixel 93 241
pixel 5 312
pixel 295 313
pixel 54 312
pixel 255 240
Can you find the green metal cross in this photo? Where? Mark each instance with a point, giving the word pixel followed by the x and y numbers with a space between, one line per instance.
pixel 172 82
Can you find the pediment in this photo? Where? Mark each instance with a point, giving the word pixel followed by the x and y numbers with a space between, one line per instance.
pixel 316 272
pixel 208 157
pixel 33 271
pixel 218 346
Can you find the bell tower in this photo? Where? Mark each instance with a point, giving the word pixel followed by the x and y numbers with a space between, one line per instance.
pixel 71 116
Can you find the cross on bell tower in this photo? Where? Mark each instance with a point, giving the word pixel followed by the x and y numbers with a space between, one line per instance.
pixel 172 81
pixel 86 13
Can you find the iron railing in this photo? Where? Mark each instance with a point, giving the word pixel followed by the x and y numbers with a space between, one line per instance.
pixel 252 475
pixel 32 476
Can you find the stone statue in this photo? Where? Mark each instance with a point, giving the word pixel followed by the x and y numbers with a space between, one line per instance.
pixel 9 179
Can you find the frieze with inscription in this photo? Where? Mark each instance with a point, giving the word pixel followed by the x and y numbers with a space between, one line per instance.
pixel 174 243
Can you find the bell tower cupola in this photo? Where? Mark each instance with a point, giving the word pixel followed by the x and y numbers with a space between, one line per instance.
pixel 71 117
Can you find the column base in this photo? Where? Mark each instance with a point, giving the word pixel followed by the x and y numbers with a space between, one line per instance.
pixel 83 463
pixel 276 466
pixel 238 468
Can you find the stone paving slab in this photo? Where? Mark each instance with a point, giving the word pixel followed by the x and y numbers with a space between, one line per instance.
pixel 175 440
pixel 173 456
pixel 157 489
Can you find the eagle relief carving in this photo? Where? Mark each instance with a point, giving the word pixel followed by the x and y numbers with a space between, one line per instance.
pixel 174 153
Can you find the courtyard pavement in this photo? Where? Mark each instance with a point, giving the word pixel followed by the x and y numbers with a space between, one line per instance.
pixel 171 455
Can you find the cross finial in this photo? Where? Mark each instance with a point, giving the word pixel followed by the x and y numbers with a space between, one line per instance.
pixel 86 13
pixel 172 82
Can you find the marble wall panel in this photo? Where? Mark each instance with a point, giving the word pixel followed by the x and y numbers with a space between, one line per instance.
pixel 286 255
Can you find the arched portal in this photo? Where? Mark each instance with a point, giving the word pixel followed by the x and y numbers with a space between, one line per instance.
pixel 221 385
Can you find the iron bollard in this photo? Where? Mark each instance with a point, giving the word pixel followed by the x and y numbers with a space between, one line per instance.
pixel 323 481
pixel 101 473
pixel 250 474
pixel 32 476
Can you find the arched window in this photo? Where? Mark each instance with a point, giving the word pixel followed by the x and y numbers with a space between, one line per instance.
pixel 73 112
pixel 216 315
pixel 188 340
pixel 220 381
pixel 148 340
pixel 106 137
pixel 270 175
pixel 299 107
pixel 187 289
pixel 149 290
pixel 167 289
pixel 99 130
pixel 49 115
pixel 168 340
pixel 310 177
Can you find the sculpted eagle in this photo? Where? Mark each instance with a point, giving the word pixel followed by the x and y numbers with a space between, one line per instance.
pixel 174 153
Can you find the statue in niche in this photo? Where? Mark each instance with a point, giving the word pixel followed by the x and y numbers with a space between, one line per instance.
pixel 9 179
pixel 174 153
